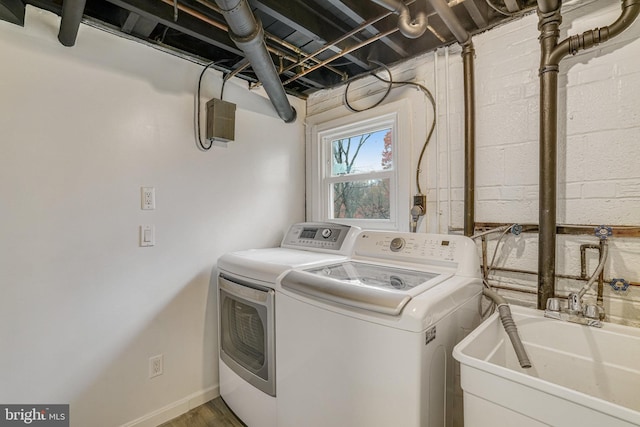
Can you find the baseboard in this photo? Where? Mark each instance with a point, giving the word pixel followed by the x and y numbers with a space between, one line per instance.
pixel 175 409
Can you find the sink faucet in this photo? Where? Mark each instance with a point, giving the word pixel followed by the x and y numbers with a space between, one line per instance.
pixel 573 311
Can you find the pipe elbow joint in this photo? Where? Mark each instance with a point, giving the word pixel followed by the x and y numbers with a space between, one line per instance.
pixel 412 28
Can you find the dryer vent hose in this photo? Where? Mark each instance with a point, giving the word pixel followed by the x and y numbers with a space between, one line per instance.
pixel 510 327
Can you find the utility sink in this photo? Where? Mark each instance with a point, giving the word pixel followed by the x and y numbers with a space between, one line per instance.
pixel 581 376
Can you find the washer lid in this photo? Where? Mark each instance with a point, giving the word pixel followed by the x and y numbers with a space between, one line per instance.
pixel 373 287
pixel 372 275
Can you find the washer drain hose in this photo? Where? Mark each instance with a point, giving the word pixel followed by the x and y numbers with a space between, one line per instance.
pixel 509 326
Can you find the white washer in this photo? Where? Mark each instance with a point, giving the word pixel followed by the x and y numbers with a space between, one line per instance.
pixel 246 307
pixel 367 342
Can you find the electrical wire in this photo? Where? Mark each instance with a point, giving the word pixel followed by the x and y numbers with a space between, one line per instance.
pixel 198 133
pixel 500 11
pixel 390 83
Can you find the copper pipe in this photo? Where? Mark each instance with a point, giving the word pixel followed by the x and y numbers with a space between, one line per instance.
pixel 275 39
pixel 224 27
pixel 341 54
pixel 345 36
pixel 570 229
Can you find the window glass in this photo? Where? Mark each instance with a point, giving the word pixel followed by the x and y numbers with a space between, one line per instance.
pixel 364 199
pixel 354 175
pixel 362 153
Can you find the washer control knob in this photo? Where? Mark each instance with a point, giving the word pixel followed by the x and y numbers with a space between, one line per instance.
pixel 396 244
pixel 326 233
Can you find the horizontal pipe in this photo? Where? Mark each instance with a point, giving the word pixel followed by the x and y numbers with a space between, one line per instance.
pixel 570 229
pixel 560 276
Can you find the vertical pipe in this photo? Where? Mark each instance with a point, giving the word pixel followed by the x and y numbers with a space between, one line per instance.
pixel 437 135
pixel 464 38
pixel 72 11
pixel 446 86
pixel 549 33
pixel 469 139
pixel 551 53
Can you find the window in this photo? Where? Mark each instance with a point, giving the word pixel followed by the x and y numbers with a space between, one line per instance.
pixel 355 169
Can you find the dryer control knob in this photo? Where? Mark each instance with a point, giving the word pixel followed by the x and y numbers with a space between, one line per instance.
pixel 326 233
pixel 396 244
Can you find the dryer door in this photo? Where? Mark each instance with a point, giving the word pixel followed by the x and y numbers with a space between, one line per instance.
pixel 247 332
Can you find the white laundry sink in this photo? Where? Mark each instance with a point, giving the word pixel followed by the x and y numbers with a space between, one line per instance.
pixel 581 376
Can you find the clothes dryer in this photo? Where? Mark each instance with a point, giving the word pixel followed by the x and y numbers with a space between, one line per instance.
pixel 246 307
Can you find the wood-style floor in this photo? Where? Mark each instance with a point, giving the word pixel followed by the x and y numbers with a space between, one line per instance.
pixel 212 414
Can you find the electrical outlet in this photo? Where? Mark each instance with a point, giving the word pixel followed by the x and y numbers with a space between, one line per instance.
pixel 420 200
pixel 148 198
pixel 156 365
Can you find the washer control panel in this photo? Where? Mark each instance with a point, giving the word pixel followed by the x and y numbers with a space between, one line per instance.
pixel 452 251
pixel 327 237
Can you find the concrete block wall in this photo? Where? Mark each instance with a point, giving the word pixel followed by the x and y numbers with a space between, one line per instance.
pixel 598 146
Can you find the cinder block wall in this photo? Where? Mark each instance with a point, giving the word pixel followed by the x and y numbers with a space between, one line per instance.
pixel 598 146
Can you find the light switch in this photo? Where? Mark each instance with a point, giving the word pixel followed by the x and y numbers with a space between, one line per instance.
pixel 147 235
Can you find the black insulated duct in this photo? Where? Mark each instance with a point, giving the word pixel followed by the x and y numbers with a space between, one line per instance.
pixel 72 11
pixel 247 33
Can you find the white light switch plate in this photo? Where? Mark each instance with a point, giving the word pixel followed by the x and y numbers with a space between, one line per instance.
pixel 147 235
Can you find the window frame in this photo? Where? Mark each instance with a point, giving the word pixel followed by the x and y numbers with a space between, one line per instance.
pixel 395 115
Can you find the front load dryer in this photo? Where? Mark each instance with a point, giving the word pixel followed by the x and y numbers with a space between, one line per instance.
pixel 367 342
pixel 246 307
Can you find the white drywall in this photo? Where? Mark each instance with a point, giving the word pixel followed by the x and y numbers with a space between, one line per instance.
pixel 82 306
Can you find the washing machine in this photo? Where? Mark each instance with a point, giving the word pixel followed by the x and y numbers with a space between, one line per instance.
pixel 246 307
pixel 367 341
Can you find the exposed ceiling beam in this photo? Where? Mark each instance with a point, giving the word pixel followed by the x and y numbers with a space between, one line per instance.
pixel 298 18
pixel 360 12
pixel 12 11
pixel 163 14
pixel 136 24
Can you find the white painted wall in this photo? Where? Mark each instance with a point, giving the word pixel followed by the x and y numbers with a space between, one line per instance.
pixel 82 307
pixel 599 149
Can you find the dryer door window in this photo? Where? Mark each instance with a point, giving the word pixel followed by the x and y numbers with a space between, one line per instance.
pixel 244 338
pixel 246 332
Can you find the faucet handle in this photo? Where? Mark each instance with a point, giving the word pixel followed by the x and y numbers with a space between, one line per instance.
pixel 553 304
pixel 591 311
pixel 573 303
